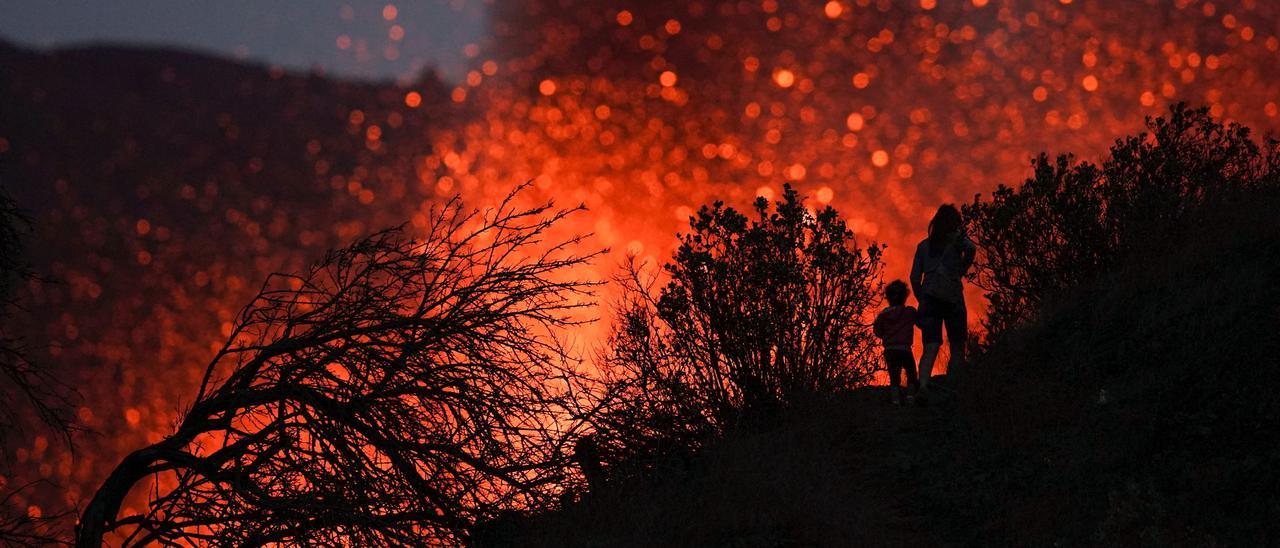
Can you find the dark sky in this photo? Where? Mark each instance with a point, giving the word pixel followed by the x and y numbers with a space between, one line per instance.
pixel 293 34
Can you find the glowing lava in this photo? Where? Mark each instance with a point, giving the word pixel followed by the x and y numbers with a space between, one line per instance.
pixel 646 110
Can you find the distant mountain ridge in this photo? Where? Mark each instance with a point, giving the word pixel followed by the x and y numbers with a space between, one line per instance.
pixel 164 186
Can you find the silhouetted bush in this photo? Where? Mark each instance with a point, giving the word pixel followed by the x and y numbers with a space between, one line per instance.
pixel 1072 219
pixel 397 393
pixel 758 314
pixel 1133 404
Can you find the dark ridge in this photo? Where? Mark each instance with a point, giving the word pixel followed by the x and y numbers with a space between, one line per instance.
pixel 1138 412
pixel 232 167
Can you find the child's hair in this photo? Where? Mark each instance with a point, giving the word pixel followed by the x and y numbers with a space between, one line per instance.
pixel 896 292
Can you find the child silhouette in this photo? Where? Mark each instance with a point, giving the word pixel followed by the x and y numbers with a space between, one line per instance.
pixel 896 328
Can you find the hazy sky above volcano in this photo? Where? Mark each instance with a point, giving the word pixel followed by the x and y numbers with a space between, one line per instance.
pixel 348 38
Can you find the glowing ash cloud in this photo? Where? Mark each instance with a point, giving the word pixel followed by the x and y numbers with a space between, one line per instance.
pixel 641 110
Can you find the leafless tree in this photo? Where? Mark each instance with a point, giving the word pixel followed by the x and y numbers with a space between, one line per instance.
pixel 33 395
pixel 32 389
pixel 29 529
pixel 398 392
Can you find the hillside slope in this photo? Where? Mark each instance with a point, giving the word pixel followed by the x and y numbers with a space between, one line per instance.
pixel 1140 411
pixel 1144 407
pixel 163 186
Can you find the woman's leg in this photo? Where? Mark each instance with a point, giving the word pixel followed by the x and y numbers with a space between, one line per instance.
pixel 927 358
pixel 932 312
pixel 909 366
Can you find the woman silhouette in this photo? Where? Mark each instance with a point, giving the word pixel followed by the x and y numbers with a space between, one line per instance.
pixel 937 279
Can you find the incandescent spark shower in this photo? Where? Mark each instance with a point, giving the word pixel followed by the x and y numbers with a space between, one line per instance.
pixel 165 186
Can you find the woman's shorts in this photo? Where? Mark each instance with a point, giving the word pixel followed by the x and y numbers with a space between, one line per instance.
pixel 936 313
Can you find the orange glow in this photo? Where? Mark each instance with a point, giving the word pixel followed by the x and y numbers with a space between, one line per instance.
pixel 854 122
pixel 412 99
pixel 882 114
pixel 784 78
pixel 1090 83
pixel 833 9
pixel 547 87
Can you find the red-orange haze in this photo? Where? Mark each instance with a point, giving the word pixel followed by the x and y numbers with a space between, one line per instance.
pixel 645 110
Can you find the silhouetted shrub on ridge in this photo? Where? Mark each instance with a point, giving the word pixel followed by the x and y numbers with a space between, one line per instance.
pixel 758 314
pixel 1129 409
pixel 1072 219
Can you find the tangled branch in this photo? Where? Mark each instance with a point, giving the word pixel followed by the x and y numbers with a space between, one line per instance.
pixel 398 392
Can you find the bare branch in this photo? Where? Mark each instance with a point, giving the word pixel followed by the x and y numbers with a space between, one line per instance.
pixel 397 392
